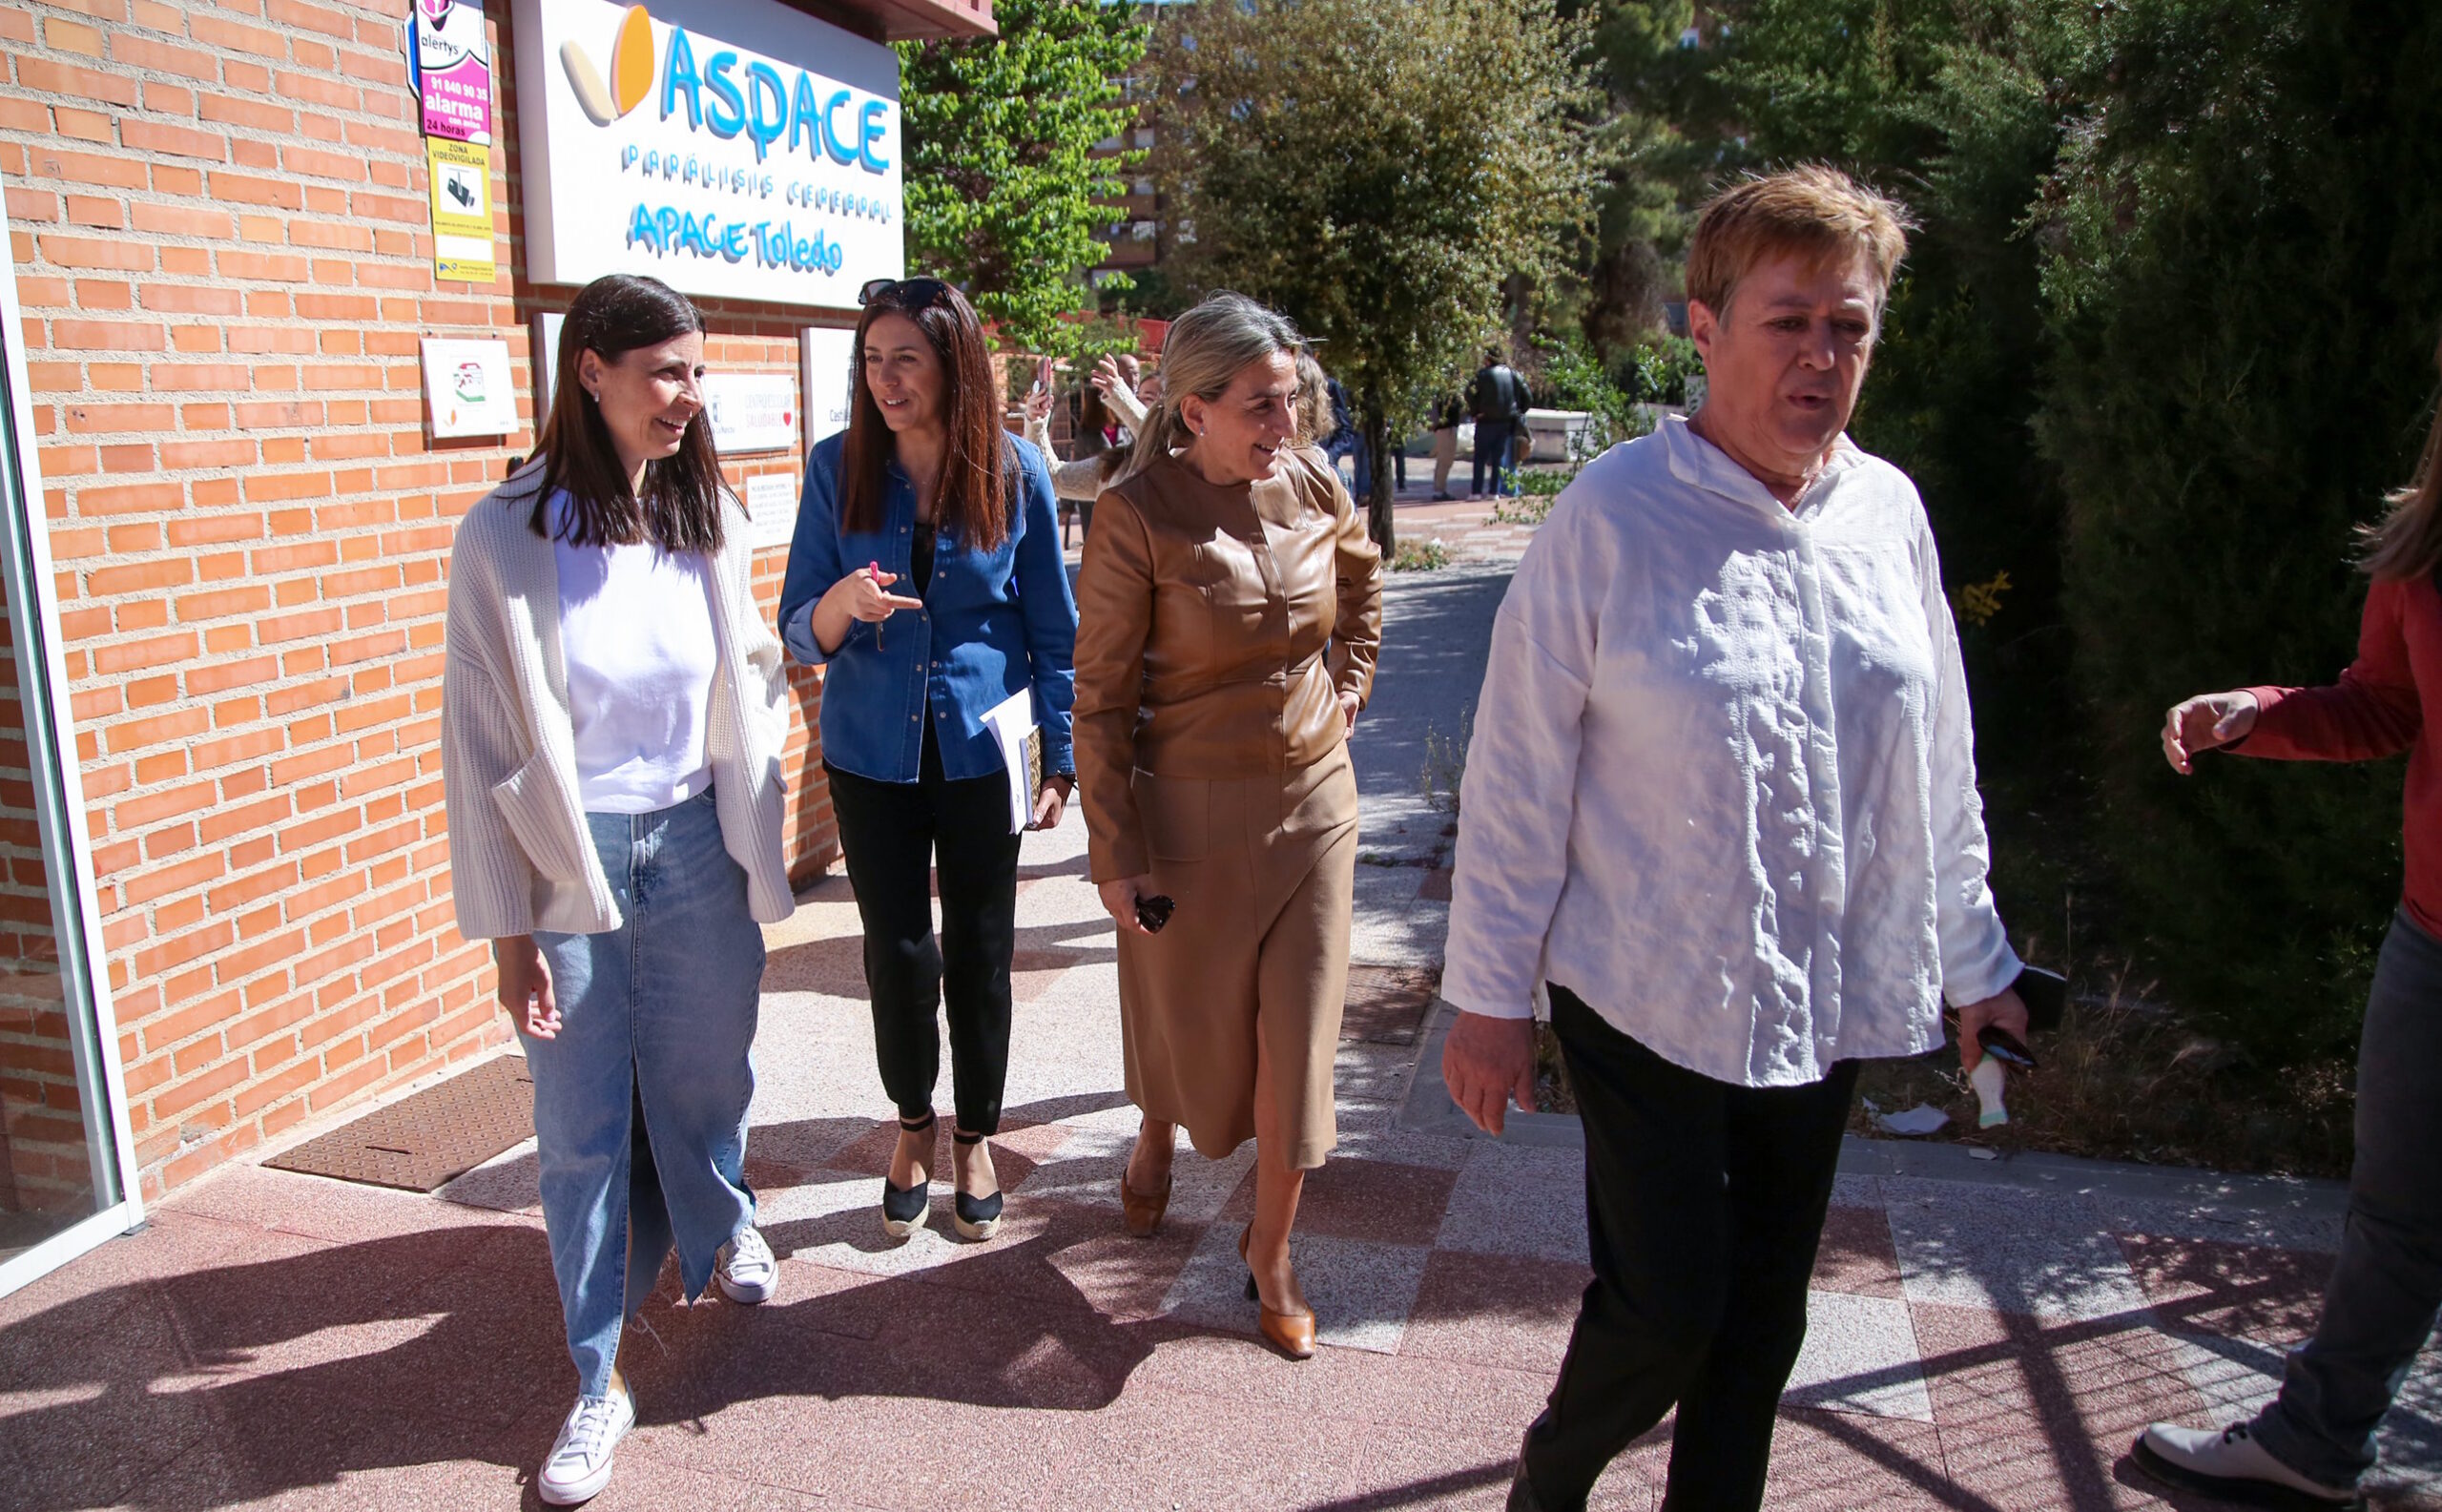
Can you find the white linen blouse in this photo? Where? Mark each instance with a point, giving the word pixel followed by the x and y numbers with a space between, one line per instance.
pixel 1722 783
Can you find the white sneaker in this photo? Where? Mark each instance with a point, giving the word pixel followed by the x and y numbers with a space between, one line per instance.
pixel 746 1270
pixel 2232 1466
pixel 579 1466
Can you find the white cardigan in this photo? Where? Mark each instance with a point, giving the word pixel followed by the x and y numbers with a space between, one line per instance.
pixel 1723 778
pixel 520 854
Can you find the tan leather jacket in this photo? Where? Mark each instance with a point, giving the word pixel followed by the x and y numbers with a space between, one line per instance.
pixel 1216 627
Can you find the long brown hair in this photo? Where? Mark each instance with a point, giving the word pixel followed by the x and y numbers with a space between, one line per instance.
pixel 684 497
pixel 973 496
pixel 2408 543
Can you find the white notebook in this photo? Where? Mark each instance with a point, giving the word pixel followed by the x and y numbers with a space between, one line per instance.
pixel 1011 723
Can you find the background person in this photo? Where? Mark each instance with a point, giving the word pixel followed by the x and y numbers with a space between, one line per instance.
pixel 1496 399
pixel 1081 478
pixel 1320 415
pixel 1722 798
pixel 1231 615
pixel 926 577
pixel 2316 1439
pixel 612 715
pixel 1447 413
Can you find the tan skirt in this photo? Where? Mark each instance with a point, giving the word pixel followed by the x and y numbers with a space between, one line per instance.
pixel 1263 870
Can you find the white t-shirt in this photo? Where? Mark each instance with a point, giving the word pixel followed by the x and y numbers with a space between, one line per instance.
pixel 636 633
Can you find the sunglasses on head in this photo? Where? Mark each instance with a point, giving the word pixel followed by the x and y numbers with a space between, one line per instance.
pixel 913 293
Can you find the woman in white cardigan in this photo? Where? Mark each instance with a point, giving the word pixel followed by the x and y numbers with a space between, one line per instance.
pixel 613 717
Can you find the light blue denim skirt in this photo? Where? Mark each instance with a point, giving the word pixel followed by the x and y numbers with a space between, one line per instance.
pixel 640 1101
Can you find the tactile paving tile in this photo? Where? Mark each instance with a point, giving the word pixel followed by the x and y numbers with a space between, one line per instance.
pixel 419 1142
pixel 1387 1005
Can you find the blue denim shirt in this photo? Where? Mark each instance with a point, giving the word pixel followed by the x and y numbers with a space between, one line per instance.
pixel 993 624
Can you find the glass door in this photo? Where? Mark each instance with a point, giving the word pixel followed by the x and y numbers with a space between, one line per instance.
pixel 65 1152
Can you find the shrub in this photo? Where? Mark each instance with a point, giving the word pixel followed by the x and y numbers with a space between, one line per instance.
pixel 1657 370
pixel 1419 556
pixel 1573 379
pixel 2242 309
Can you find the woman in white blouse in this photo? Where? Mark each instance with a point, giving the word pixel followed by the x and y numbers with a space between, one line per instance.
pixel 1721 799
pixel 613 713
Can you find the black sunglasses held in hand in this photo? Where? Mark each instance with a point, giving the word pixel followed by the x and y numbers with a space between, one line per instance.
pixel 2046 996
pixel 1155 912
pixel 2005 1047
pixel 915 294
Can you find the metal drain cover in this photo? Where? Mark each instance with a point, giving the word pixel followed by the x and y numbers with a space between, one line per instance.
pixel 419 1142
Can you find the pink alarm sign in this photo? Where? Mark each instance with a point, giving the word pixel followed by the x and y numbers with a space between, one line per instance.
pixel 449 61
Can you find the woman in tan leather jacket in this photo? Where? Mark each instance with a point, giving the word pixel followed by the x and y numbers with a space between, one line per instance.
pixel 1228 612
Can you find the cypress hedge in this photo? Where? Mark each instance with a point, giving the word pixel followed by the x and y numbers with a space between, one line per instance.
pixel 2242 294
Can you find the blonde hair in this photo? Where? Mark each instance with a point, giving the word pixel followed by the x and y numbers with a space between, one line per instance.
pixel 1315 422
pixel 2407 541
pixel 1206 348
pixel 1814 211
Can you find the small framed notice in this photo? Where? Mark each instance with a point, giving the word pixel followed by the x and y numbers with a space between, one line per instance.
pixel 752 411
pixel 771 504
pixel 466 388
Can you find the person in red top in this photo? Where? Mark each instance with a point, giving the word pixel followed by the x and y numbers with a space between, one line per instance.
pixel 2311 1446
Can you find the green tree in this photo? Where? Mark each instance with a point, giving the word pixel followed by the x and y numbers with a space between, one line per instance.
pixel 1659 142
pixel 1376 170
pixel 1960 108
pixel 1004 194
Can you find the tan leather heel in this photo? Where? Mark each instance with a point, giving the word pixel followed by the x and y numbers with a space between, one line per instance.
pixel 1143 1214
pixel 1293 1333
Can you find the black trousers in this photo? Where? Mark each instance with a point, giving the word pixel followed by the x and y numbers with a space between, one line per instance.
pixel 1704 1204
pixel 891 833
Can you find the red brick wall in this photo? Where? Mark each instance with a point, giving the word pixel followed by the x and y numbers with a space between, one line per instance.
pixel 219 225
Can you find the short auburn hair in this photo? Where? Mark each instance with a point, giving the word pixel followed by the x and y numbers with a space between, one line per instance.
pixel 1814 211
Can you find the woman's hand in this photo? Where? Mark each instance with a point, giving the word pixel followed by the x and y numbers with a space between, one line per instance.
pixel 861 595
pixel 1487 1061
pixel 1037 407
pixel 1119 901
pixel 1105 377
pixel 2203 722
pixel 525 985
pixel 1348 710
pixel 2005 1010
pixel 1051 801
pixel 866 596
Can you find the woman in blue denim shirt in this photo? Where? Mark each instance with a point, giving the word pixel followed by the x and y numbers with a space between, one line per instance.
pixel 926 575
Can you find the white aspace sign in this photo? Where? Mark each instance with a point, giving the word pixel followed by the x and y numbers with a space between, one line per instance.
pixel 734 148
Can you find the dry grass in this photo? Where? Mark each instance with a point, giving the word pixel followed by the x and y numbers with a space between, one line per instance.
pixel 2122 1079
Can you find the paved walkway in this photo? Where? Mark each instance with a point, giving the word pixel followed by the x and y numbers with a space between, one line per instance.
pixel 1983 1337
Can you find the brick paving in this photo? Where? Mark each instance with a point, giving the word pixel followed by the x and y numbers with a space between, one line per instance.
pixel 1981 1339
